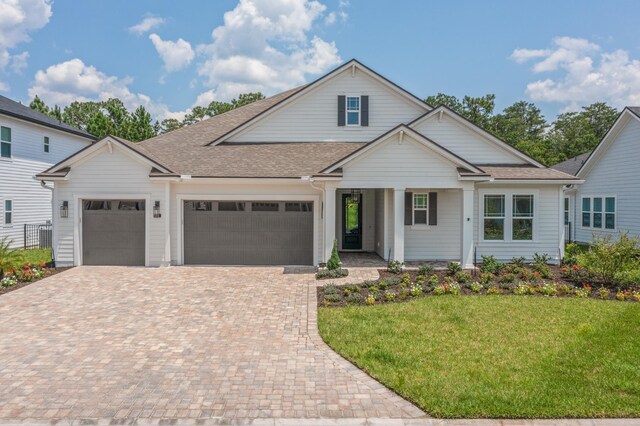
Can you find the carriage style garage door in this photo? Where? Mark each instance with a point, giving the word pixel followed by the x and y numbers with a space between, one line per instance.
pixel 248 233
pixel 113 232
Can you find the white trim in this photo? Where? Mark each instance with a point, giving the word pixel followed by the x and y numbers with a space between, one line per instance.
pixel 346 111
pixel 77 219
pixel 46 145
pixel 478 130
pixel 312 87
pixel 182 197
pixel 606 141
pixel 592 228
pixel 416 136
pixel 536 181
pixel 4 212
pixel 415 225
pixel 9 142
pixel 508 215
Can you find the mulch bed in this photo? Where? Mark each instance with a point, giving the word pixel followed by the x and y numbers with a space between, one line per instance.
pixel 48 272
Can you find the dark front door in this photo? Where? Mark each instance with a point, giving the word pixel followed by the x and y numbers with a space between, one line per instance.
pixel 351 222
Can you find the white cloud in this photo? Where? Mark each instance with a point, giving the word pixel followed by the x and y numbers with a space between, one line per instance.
pixel 266 45
pixel 175 54
pixel 73 80
pixel 330 19
pixel 147 24
pixel 19 62
pixel 581 73
pixel 18 18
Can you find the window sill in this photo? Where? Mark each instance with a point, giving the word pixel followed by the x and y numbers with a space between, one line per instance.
pixel 508 241
pixel 419 227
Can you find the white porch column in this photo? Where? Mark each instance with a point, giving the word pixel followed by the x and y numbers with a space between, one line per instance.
pixel 329 220
pixel 398 224
pixel 466 258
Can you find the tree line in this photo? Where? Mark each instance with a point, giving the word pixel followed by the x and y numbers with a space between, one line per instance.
pixel 521 124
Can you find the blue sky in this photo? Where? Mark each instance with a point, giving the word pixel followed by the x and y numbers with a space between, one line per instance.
pixel 560 54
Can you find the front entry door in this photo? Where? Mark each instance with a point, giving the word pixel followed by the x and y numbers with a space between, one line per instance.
pixel 351 222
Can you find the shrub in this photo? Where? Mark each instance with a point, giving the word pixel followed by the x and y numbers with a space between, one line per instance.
pixel 336 273
pixel 518 261
pixel 541 259
pixel 415 290
pixel 541 270
pixel 334 264
pixel 454 289
pixel 439 290
pixel 403 294
pixel 453 268
pixel 564 289
pixel 476 287
pixel 370 300
pixel 621 295
pixel 369 283
pixel 354 298
pixel 635 296
pixel 486 278
pixel 406 280
pixel 8 281
pixel 630 277
pixel 549 289
pixel 606 261
pixel 330 289
pixel 603 293
pixel 514 269
pixel 389 296
pixel 493 290
pixel 523 288
pixel 583 292
pixel 393 280
pixel 571 250
pixel 463 277
pixel 420 280
pixel 507 279
pixel 383 284
pixel 332 298
pixel 395 266
pixel 491 264
pixel 433 280
pixel 425 270
pixel 9 257
pixel 527 275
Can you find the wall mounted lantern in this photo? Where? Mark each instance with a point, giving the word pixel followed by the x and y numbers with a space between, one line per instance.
pixel 64 209
pixel 355 195
pixel 156 209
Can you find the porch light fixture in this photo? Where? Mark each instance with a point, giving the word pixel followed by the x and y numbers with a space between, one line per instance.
pixel 156 209
pixel 355 195
pixel 64 209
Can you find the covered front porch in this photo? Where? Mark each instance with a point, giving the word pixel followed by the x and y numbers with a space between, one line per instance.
pixel 412 225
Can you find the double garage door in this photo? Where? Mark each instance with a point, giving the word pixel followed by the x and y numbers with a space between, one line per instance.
pixel 248 232
pixel 215 232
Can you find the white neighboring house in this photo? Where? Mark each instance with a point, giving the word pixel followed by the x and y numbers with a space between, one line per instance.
pixel 350 157
pixel 29 142
pixel 608 202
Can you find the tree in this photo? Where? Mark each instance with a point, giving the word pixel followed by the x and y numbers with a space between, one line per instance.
pixel 140 127
pixel 38 104
pixel 446 100
pixel 79 114
pixel 246 99
pixel 169 124
pixel 478 110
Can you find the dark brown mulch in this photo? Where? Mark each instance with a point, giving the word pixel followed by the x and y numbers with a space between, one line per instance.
pixel 48 272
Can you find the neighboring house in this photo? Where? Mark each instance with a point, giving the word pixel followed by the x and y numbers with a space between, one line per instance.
pixel 351 157
pixel 29 142
pixel 608 201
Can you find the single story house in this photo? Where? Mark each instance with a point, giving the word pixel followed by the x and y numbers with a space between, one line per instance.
pixel 350 157
pixel 608 201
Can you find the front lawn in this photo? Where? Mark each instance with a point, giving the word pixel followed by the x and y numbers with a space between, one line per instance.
pixel 498 356
pixel 35 256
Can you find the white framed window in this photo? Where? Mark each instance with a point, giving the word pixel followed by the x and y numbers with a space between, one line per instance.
pixel 421 209
pixel 494 216
pixel 5 142
pixel 353 111
pixel 599 212
pixel 46 144
pixel 8 212
pixel 522 217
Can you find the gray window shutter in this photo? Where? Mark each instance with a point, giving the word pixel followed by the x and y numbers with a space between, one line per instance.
pixel 364 110
pixel 433 208
pixel 342 101
pixel 408 208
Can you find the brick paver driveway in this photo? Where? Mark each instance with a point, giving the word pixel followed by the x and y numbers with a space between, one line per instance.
pixel 179 342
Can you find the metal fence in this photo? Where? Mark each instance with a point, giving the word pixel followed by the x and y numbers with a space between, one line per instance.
pixel 567 232
pixel 38 236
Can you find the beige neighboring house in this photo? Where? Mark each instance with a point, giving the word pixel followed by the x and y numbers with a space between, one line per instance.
pixel 608 201
pixel 351 157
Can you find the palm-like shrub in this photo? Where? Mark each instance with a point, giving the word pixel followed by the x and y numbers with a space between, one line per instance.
pixel 9 258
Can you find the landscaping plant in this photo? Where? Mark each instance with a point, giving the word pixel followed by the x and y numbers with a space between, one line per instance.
pixel 9 258
pixel 608 261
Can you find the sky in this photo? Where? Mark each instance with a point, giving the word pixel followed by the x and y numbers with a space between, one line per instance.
pixel 171 56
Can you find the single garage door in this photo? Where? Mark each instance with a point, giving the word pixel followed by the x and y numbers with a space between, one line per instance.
pixel 113 232
pixel 248 233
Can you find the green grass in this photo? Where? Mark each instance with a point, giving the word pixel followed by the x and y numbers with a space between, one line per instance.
pixel 35 256
pixel 498 356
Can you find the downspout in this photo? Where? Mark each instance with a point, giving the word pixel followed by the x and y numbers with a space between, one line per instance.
pixel 43 184
pixel 324 195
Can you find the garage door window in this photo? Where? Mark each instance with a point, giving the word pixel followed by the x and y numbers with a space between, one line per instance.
pixel 264 207
pixel 200 206
pixel 97 205
pixel 131 205
pixel 227 206
pixel 298 207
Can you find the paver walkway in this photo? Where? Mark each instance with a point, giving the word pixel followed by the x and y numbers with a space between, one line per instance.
pixel 183 343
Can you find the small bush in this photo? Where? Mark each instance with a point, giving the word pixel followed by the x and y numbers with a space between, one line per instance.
pixel 603 293
pixel 493 290
pixel 330 289
pixel 393 280
pixel 420 280
pixel 607 261
pixel 463 277
pixel 354 298
pixel 583 292
pixel 395 266
pixel 415 290
pixel 527 275
pixel 524 289
pixel 454 289
pixel 8 281
pixel 453 268
pixel 491 264
pixel 507 279
pixel 476 287
pixel 332 298
pixel 370 300
pixel 564 290
pixel 433 280
pixel 542 270
pixel 369 283
pixel 383 284
pixel 389 296
pixel 425 270
pixel 439 290
pixel 403 294
pixel 549 289
pixel 621 295
pixel 336 273
pixel 334 264
pixel 518 261
pixel 486 278
pixel 406 280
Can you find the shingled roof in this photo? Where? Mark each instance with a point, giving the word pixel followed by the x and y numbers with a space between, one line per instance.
pixel 17 110
pixel 572 165
pixel 525 172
